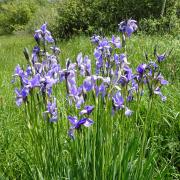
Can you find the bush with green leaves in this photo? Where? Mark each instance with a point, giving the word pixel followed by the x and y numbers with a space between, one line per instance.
pixel 91 16
pixel 44 14
pixel 168 21
pixel 15 15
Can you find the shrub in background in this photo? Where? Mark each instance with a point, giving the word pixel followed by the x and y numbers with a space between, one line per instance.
pixel 90 16
pixel 76 16
pixel 168 21
pixel 15 14
pixel 47 14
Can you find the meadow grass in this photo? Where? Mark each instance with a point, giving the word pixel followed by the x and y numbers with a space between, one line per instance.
pixel 163 134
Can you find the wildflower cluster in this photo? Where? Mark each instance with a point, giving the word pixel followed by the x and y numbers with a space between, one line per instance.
pixel 113 81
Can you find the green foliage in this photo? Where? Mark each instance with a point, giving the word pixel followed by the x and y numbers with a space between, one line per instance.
pixel 96 15
pixel 14 15
pixel 70 17
pixel 168 22
pixel 73 18
pixel 160 26
pixel 45 14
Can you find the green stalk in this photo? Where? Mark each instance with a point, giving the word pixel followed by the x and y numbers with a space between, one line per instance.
pixel 146 123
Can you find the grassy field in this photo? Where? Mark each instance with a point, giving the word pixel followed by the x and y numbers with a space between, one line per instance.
pixel 165 116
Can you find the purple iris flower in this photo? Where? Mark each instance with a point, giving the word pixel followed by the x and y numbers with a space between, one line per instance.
pixel 35 53
pixel 158 92
pixel 46 33
pixel 152 66
pixel 95 39
pixel 21 95
pixel 87 110
pixel 43 33
pixel 162 80
pixel 87 63
pixel 47 83
pixel 29 71
pixel 126 77
pixel 99 58
pixel 116 59
pixel 141 69
pixel 79 59
pixel 50 81
pixel 123 80
pixel 116 42
pixel 118 100
pixel 128 112
pixel 34 82
pixel 71 77
pixel 37 36
pixel 130 95
pixel 38 68
pixel 101 90
pixel 77 124
pixel 73 90
pixel 88 84
pixel 97 53
pixel 104 43
pixel 106 80
pixel 69 71
pixel 52 110
pixel 123 58
pixel 79 100
pixel 44 27
pixel 50 62
pixel 128 26
pixel 84 65
pixel 104 49
pixel 69 65
pixel 161 57
pixel 18 71
pixel 71 83
pixel 55 50
pixel 128 72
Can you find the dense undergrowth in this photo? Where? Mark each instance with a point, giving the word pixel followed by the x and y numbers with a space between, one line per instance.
pixel 70 17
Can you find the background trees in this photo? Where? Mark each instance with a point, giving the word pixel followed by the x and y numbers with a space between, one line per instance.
pixel 67 17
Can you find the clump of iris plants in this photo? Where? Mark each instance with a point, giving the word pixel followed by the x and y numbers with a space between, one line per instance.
pixel 113 80
pixel 80 115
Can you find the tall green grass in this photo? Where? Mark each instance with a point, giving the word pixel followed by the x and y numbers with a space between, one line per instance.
pixel 113 148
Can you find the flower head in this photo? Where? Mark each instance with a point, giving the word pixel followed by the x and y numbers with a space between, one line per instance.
pixel 141 69
pixel 128 112
pixel 128 26
pixel 43 33
pixel 21 95
pixel 116 42
pixel 52 110
pixel 118 100
pixel 77 124
pixel 87 110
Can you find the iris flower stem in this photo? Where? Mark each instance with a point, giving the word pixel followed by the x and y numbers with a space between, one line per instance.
pixel 95 140
pixel 138 104
pixel 35 133
pixel 143 149
pixel 121 143
pixel 124 42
